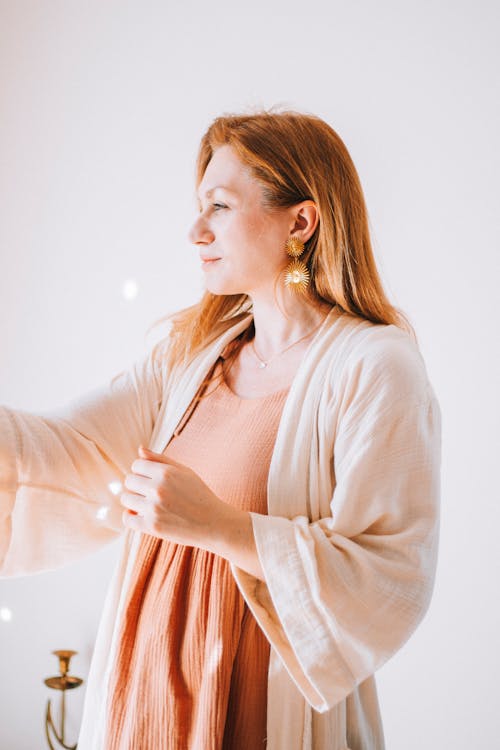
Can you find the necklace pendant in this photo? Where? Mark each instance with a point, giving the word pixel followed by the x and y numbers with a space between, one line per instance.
pixel 262 365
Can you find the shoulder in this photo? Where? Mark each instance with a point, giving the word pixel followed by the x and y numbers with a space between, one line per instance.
pixel 377 364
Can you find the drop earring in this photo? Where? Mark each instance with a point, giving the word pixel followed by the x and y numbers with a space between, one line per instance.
pixel 297 275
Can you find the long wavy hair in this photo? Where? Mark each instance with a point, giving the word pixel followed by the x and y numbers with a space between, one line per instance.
pixel 295 157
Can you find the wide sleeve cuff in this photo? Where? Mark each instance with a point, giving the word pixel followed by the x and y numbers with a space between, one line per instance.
pixel 343 593
pixel 282 607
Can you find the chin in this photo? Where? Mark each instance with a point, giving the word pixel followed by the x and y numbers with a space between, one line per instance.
pixel 221 289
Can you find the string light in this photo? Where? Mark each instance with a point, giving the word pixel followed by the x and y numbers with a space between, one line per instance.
pixel 5 614
pixel 130 289
pixel 102 513
pixel 115 487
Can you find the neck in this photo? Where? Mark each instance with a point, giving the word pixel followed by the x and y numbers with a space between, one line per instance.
pixel 274 330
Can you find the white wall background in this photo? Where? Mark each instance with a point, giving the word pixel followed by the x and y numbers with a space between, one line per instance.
pixel 102 105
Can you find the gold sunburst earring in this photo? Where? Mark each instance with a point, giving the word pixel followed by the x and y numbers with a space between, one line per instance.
pixel 297 275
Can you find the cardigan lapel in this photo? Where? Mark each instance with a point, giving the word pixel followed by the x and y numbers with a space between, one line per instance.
pixel 185 387
pixel 298 445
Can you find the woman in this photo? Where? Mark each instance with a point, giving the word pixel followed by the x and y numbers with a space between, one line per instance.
pixel 281 528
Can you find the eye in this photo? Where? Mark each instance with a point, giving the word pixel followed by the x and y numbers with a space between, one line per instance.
pixel 214 207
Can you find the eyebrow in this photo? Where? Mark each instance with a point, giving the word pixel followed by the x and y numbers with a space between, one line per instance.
pixel 209 192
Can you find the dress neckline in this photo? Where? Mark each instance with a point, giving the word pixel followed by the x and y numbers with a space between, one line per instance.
pixel 269 396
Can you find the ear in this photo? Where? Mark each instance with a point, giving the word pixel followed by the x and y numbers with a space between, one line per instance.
pixel 305 219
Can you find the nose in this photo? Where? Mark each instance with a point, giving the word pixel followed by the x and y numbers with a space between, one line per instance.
pixel 200 234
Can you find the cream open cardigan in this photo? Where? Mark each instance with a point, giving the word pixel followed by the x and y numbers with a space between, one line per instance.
pixel 349 546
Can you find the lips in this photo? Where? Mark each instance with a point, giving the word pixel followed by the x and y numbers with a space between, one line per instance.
pixel 207 261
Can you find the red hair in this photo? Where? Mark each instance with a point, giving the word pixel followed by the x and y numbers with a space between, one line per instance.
pixel 295 157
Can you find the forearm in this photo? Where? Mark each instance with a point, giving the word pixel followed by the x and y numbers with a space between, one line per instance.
pixel 169 500
pixel 233 539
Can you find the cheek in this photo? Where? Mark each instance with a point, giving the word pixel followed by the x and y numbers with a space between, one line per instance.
pixel 255 233
pixel 252 243
pixel 268 235
pixel 256 226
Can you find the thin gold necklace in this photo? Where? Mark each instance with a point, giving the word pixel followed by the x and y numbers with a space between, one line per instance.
pixel 264 362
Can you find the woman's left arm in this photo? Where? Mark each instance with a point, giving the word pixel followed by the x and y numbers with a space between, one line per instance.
pixel 343 593
pixel 337 596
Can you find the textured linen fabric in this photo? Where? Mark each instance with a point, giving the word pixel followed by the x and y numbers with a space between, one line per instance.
pixel 349 544
pixel 192 663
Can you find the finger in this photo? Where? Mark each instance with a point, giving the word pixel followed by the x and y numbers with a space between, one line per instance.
pixel 145 468
pixel 137 483
pixel 136 504
pixel 148 469
pixel 134 523
pixel 160 457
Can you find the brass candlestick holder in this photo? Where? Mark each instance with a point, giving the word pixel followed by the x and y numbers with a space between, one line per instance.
pixel 61 682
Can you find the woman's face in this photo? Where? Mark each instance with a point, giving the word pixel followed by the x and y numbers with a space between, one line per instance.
pixel 247 239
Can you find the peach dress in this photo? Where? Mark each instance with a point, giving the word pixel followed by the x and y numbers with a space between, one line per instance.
pixel 192 664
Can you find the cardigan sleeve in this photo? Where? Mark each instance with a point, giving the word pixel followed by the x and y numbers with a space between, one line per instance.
pixel 344 592
pixel 61 471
